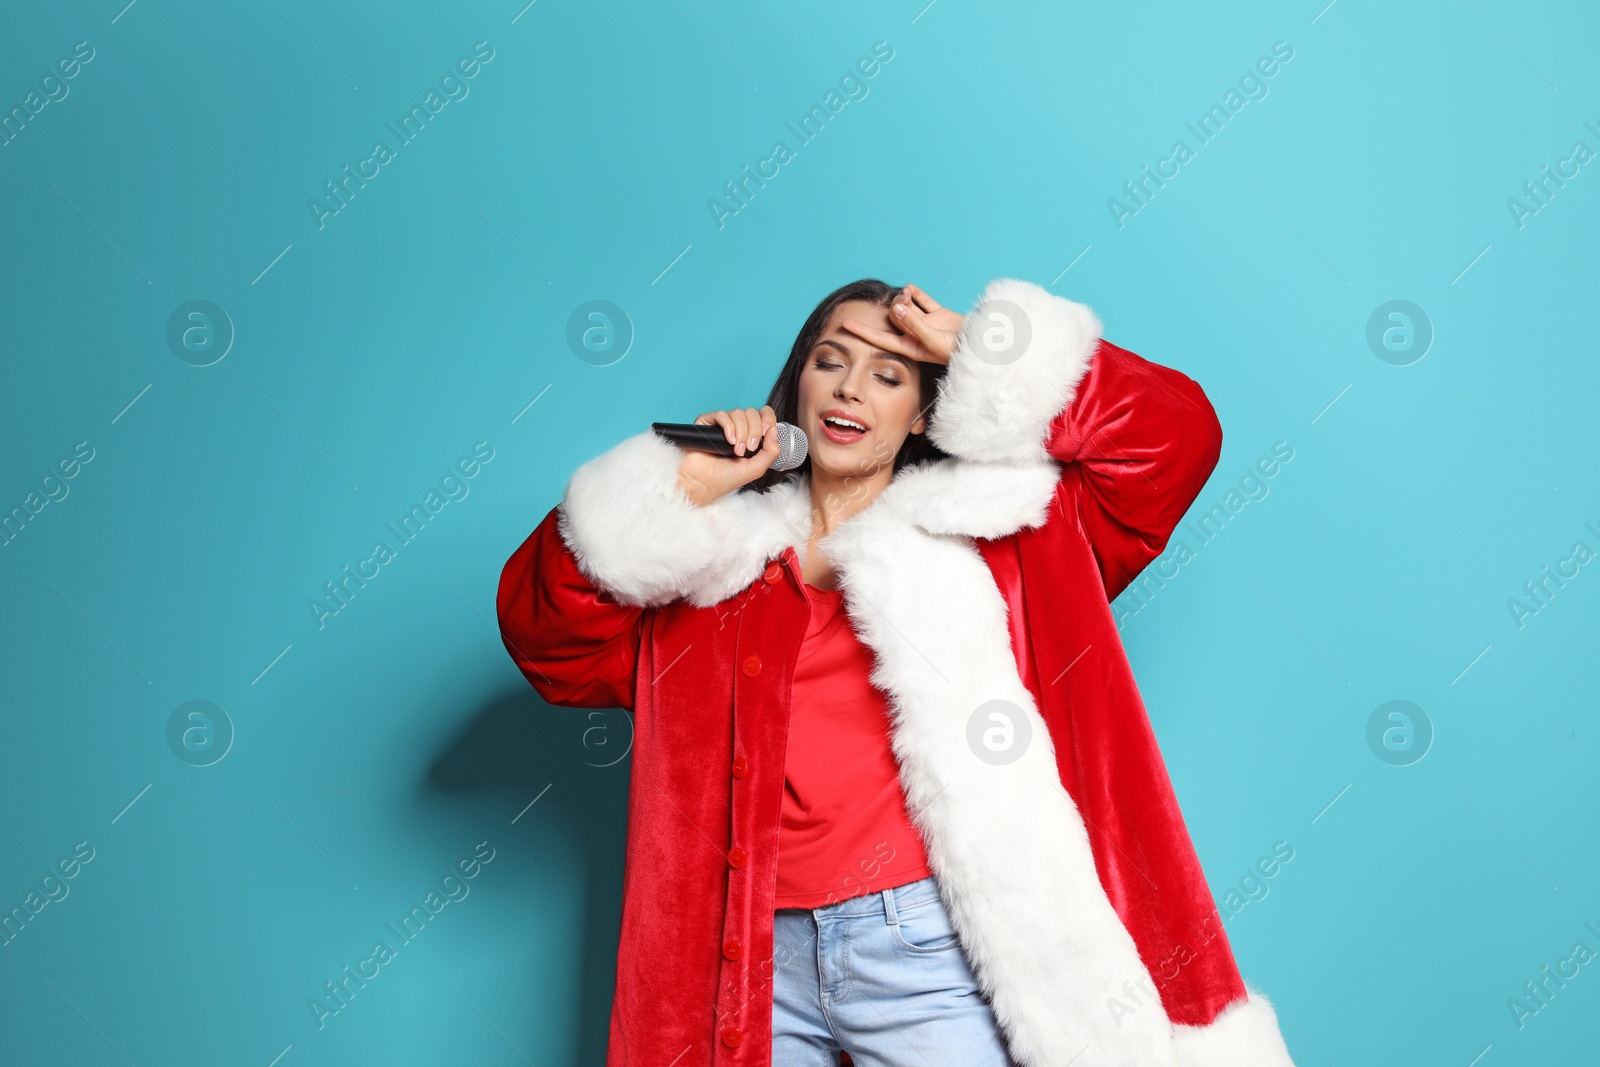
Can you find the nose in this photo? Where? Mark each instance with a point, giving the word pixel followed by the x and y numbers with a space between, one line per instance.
pixel 848 385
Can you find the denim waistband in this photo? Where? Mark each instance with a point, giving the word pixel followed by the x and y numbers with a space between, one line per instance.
pixel 884 902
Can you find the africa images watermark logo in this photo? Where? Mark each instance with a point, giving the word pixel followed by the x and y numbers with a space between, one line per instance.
pixel 452 888
pixel 452 486
pixel 1205 128
pixel 811 123
pixel 453 87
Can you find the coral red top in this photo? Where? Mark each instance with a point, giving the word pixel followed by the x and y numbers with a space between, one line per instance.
pixel 844 829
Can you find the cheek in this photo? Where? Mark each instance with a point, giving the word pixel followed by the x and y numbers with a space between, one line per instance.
pixel 815 392
pixel 898 405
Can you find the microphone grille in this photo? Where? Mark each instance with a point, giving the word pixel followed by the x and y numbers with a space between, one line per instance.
pixel 792 447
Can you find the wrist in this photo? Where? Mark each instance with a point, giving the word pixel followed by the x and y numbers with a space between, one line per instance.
pixel 1002 407
pixel 698 492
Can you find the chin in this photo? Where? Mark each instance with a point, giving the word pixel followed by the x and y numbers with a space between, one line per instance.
pixel 831 465
pixel 861 465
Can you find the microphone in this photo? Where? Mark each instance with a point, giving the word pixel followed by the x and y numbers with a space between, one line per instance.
pixel 792 445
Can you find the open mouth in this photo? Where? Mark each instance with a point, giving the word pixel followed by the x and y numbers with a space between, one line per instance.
pixel 842 429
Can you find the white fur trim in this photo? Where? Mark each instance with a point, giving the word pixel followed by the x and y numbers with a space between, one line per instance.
pixel 972 499
pixel 631 527
pixel 1000 412
pixel 636 534
pixel 1005 843
pixel 773 520
pixel 1246 1034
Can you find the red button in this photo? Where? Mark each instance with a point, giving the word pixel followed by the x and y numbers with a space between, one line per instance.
pixel 731 1036
pixel 732 949
pixel 772 573
pixel 740 766
pixel 736 856
pixel 752 666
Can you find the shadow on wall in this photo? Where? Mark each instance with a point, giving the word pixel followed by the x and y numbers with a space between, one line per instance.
pixel 577 758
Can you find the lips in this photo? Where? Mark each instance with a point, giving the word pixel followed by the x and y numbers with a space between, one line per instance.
pixel 840 432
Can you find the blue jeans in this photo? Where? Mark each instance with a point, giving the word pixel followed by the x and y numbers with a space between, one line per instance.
pixel 882 976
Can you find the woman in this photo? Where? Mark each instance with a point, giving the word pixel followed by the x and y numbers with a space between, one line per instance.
pixel 905 643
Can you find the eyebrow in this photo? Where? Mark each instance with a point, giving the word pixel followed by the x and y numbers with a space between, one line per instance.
pixel 877 353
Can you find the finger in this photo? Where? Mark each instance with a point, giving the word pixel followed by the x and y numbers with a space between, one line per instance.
pixel 760 461
pixel 769 417
pixel 755 426
pixel 749 429
pixel 721 419
pixel 924 301
pixel 914 321
pixel 889 342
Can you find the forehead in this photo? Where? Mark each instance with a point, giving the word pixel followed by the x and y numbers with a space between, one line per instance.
pixel 860 310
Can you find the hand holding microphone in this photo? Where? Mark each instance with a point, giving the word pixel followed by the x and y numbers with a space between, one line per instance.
pixel 750 444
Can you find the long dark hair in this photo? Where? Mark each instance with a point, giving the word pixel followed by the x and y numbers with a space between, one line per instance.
pixel 785 395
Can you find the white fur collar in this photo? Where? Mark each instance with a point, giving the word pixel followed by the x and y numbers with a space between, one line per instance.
pixel 950 498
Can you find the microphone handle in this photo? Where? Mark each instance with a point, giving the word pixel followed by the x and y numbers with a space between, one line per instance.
pixel 694 436
pixel 792 444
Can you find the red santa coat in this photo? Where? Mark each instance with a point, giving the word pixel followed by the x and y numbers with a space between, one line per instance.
pixel 1030 770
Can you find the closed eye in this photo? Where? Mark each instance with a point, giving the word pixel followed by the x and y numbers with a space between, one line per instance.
pixel 824 364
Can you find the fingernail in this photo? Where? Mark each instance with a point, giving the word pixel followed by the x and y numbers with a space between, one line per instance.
pixel 899 309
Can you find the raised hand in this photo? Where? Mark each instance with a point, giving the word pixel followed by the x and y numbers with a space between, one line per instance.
pixel 705 476
pixel 927 330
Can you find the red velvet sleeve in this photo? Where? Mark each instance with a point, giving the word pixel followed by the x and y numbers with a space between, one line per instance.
pixel 1139 440
pixel 573 642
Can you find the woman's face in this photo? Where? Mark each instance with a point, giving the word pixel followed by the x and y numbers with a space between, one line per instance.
pixel 846 377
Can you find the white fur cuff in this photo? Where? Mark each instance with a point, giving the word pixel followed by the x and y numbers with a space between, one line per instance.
pixel 1246 1034
pixel 634 531
pixel 996 405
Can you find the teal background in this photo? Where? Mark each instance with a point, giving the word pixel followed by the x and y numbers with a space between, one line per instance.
pixel 370 755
